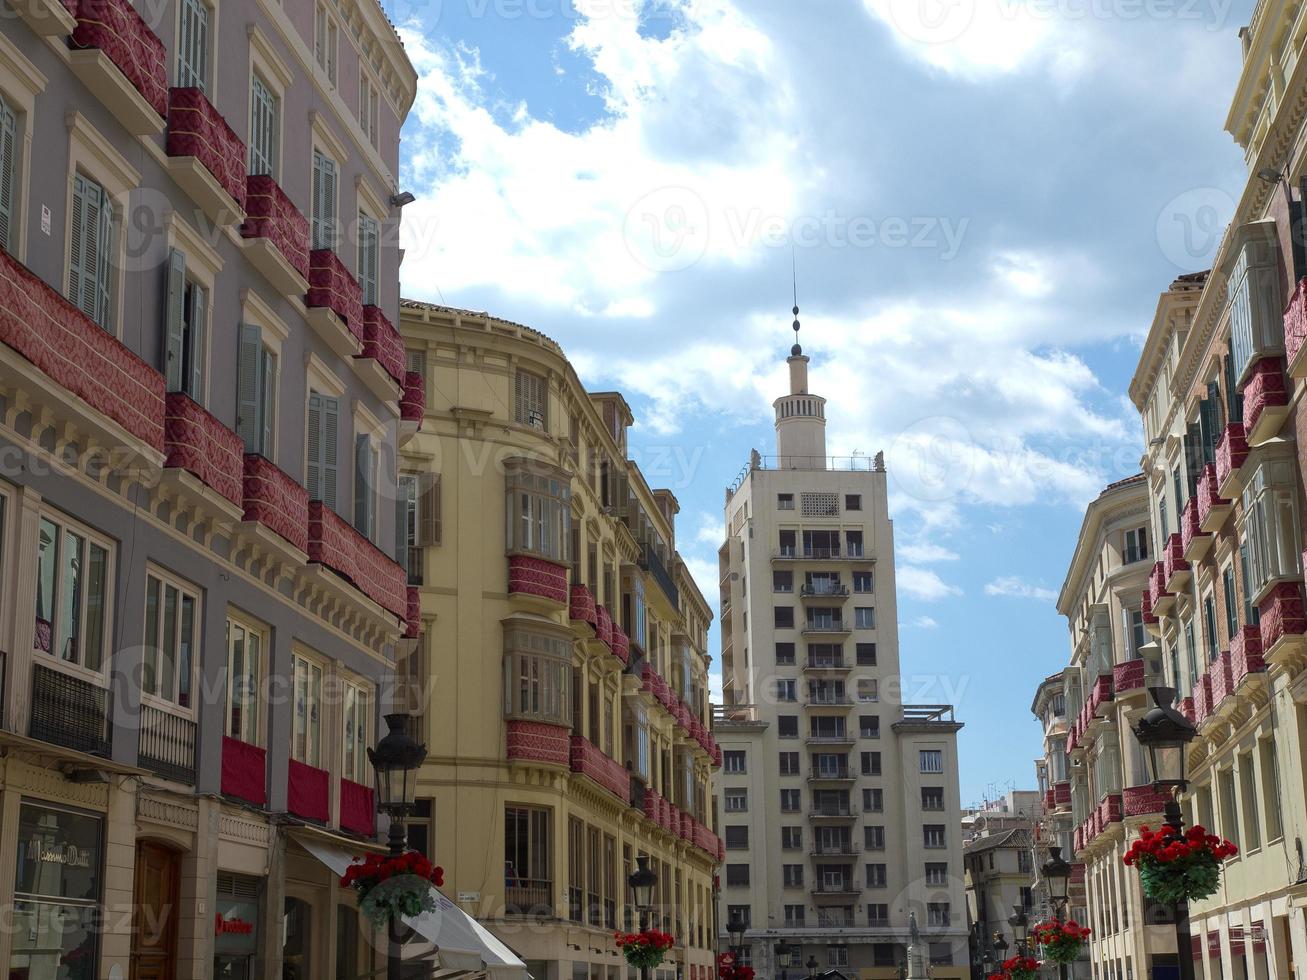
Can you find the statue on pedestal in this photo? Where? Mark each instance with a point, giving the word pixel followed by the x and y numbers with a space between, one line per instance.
pixel 918 954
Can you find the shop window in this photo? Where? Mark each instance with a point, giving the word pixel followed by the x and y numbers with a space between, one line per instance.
pixel 245 646
pixel 73 593
pixel 236 926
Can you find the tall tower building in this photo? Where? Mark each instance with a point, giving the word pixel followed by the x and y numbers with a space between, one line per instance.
pixel 838 803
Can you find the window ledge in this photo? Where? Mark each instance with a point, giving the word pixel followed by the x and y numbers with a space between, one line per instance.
pixel 194 178
pixel 265 256
pixel 48 18
pixel 378 381
pixel 129 107
pixel 333 331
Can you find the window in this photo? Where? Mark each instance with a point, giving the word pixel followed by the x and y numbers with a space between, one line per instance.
pixel 369 258
pixel 864 618
pixel 367 475
pixel 530 400
pixel 1252 837
pixel 785 501
pixel 737 875
pixel 932 797
pixel 784 654
pixel 869 726
pixel 1135 545
pixel 737 838
pixel 73 593
pixel 1231 601
pixel 787 544
pixel 837 955
pixel 244 662
pixel 744 913
pixel 193 45
pixel 792 875
pixel 306 732
pixel 785 690
pixel 539 510
pixel 783 616
pixel 933 835
pixel 787 726
pixel 884 954
pixel 1271 523
pixel 733 761
pixel 357 729
pixel 538 676
pixel 820 504
pixel 853 501
pixel 868 689
pixel 256 386
pixel 8 174
pixel 1209 625
pixel 265 128
pixel 322 447
pixel 873 800
pixel 172 622
pixel 369 108
pixel 782 581
pixel 936 873
pixel 854 541
pixel 1135 638
pixel 324 42
pixel 937 914
pixel 871 763
pixel 325 179
pixel 792 838
pixel 184 330
pixel 932 760
pixel 528 864
pixel 90 246
pixel 876 876
pixel 863 582
pixel 791 801
pixel 417 521
pixel 736 800
pixel 866 653
pixel 1271 789
pixel 878 915
pixel 794 916
pixel 873 838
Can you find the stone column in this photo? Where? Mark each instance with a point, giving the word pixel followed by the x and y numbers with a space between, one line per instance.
pixel 197 895
pixel 119 879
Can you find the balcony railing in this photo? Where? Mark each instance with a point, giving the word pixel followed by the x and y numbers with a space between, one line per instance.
pixel 827 663
pixel 381 341
pixel 244 771
pixel 115 28
pixel 535 576
pixel 270 215
pixel 818 553
pixel 832 626
pixel 835 888
pixel 338 546
pixel 588 760
pixel 845 849
pixel 822 775
pixel 834 920
pixel 1231 454
pixel 69 711
pixel 824 591
pixel 276 501
pixel 652 564
pixel 528 896
pixel 197 129
pixel 1265 397
pixel 194 440
pixel 167 744
pixel 832 811
pixel 828 738
pixel 413 399
pixel 829 700
pixel 332 286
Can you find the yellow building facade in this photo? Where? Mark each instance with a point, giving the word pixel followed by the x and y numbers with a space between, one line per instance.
pixel 559 670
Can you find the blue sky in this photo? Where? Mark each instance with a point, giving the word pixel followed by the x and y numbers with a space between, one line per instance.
pixel 983 199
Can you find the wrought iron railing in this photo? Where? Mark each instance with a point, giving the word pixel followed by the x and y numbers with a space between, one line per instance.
pixel 655 567
pixel 69 711
pixel 167 744
pixel 529 896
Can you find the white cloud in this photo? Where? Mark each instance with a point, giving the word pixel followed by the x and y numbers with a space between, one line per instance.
pixel 924 553
pixel 1013 586
pixel 704 574
pixel 924 623
pixel 923 584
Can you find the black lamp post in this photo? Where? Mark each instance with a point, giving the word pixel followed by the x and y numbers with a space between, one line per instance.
pixel 812 965
pixel 643 881
pixel 1000 947
pixel 784 954
pixel 1020 929
pixel 1057 872
pixel 1164 734
pixel 735 929
pixel 395 763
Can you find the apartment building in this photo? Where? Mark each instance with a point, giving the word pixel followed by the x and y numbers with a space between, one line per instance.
pixel 998 860
pixel 561 665
pixel 196 307
pixel 839 804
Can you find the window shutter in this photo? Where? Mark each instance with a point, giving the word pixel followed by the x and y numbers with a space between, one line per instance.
pixel 8 169
pixel 362 481
pixel 248 405
pixel 374 470
pixel 103 250
pixel 329 203
pixel 175 319
pixel 199 314
pixel 268 386
pixel 330 442
pixel 429 518
pixel 317 200
pixel 1234 396
pixel 77 273
pixel 193 51
pixel 1207 436
pixel 403 501
pixel 263 129
pixel 368 237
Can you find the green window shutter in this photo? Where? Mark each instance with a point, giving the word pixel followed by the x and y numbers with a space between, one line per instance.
pixel 317 200
pixel 174 326
pixel 193 49
pixel 196 348
pixel 77 273
pixel 103 251
pixel 1234 395
pixel 8 172
pixel 267 392
pixel 248 406
pixel 313 448
pixel 330 442
pixel 368 245
pixel 362 484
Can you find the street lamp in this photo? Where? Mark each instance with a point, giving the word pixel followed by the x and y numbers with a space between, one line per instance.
pixel 1000 947
pixel 1020 928
pixel 643 880
pixel 1057 872
pixel 395 763
pixel 784 954
pixel 735 928
pixel 1165 734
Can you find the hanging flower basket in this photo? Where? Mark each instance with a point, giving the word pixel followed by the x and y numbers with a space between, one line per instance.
pixel 644 949
pixel 390 887
pixel 1062 941
pixel 1017 968
pixel 1177 868
pixel 729 969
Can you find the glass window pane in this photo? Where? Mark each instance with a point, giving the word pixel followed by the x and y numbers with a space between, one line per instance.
pixel 168 648
pixel 70 598
pixel 149 670
pixel 186 638
pixel 97 605
pixel 47 560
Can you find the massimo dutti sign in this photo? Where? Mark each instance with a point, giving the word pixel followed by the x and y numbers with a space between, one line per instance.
pixel 58 853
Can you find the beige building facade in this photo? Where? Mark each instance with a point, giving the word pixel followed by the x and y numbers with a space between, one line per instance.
pixel 560 668
pixel 838 803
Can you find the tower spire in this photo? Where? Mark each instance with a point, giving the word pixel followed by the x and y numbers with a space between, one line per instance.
pixel 794 278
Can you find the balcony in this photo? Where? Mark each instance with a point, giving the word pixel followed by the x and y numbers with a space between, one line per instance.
pixel 1128 678
pixel 620 645
pixel 1101 694
pixel 1282 619
pixel 1245 655
pixel 335 302
pixel 1213 509
pixel 537 742
pixel 528 896
pixel 205 157
pixel 1151 622
pixel 832 812
pixel 828 701
pixel 581 606
pixel 307 791
pixel 825 665
pixel 1161 600
pixel 336 545
pixel 47 18
pixel 382 359
pixel 1203 699
pixel 71 350
pixel 538 579
pixel 244 771
pixel 1176 573
pixel 1219 673
pixel 1295 332
pixel 275 236
pixel 69 711
pixel 831 776
pixel 413 617
pixel 587 760
pixel 1231 454
pixel 1142 801
pixel 358 808
pixel 833 627
pixel 837 849
pixel 121 62
pixel 829 738
pixel 1265 400
pixel 275 502
pixel 653 564
pixel 603 626
pixel 1194 541
pixel 167 744
pixel 1062 793
pixel 195 441
pixel 412 404
pixel 836 889
pixel 825 591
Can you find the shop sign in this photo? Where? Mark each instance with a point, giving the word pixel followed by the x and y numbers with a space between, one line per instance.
pixel 58 853
pixel 235 926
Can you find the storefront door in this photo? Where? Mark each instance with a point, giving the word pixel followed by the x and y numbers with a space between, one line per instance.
pixel 154 925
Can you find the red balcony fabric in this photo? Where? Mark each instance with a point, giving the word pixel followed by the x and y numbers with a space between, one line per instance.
pixel 1138 801
pixel 270 214
pixel 589 761
pixel 1189 523
pixel 114 27
pixel 1128 676
pixel 1202 699
pixel 382 343
pixel 1078 838
pixel 1207 495
pixel 1295 321
pixel 1077 873
pixel 581 606
pixel 194 440
pixel 1101 693
pixel 1048 799
pixel 78 355
pixel 1231 450
pixel 197 129
pixel 335 543
pixel 1157 584
pixel 1187 709
pixel 1281 614
pixel 358 808
pixel 244 771
pixel 1146 607
pixel 1264 389
pixel 413 616
pixel 1245 654
pixel 1109 810
pixel 333 286
pixel 621 645
pixel 530 575
pixel 1062 793
pixel 604 625
pixel 276 501
pixel 413 399
pixel 1173 557
pixel 1219 672
pixel 534 741
pixel 307 791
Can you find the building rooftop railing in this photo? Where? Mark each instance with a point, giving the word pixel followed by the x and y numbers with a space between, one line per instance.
pixel 856 462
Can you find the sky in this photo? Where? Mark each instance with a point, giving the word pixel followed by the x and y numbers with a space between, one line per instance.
pixel 980 200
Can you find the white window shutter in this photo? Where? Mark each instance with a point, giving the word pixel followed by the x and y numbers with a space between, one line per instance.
pixel 248 420
pixel 313 448
pixel 267 392
pixel 8 171
pixel 330 442
pixel 362 481
pixel 175 319
pixel 198 331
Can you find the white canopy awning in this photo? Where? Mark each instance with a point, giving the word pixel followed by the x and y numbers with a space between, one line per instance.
pixel 461 943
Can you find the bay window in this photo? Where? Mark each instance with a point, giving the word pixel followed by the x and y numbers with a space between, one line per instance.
pixel 172 620
pixel 537 676
pixel 539 510
pixel 73 593
pixel 1271 524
